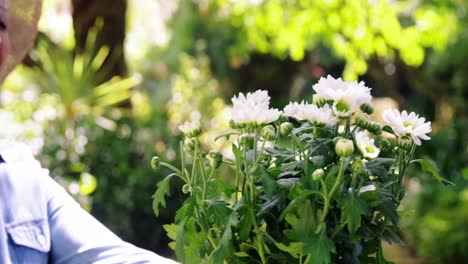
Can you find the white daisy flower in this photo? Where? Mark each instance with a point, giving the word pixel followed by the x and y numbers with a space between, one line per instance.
pixel 191 128
pixel 366 145
pixel 311 113
pixel 404 124
pixel 347 97
pixel 253 109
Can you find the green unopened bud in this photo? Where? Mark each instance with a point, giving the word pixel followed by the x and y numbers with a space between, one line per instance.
pixel 367 108
pixel 282 118
pixel 358 167
pixel 268 132
pixel 318 174
pixel 215 158
pixel 344 147
pixel 375 128
pixel 286 128
pixel 155 163
pixel 318 101
pixel 385 144
pixel 186 189
pixel 405 142
pixel 246 141
pixel 233 124
pixel 362 121
pixel 189 144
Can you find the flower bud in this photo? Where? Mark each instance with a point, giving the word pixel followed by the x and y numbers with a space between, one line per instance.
pixel 186 189
pixel 318 101
pixel 358 167
pixel 362 121
pixel 268 132
pixel 385 144
pixel 215 158
pixel 375 128
pixel 189 144
pixel 286 128
pixel 155 163
pixel 405 142
pixel 246 141
pixel 344 147
pixel 233 124
pixel 367 108
pixel 318 174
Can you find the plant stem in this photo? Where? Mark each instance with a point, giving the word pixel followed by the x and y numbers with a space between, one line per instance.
pixel 177 171
pixel 259 240
pixel 338 181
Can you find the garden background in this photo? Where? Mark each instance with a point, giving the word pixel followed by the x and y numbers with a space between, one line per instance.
pixel 108 82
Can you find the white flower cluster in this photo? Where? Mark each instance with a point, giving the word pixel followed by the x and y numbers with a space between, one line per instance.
pixel 407 125
pixel 311 113
pixel 346 97
pixel 253 109
pixel 191 128
pixel 334 101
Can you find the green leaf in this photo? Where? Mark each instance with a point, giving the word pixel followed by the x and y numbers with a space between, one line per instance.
pixel 319 247
pixel 180 241
pixel 430 167
pixel 218 211
pixel 171 230
pixel 330 178
pixel 380 258
pixel 388 129
pixel 353 208
pixel 225 245
pixel 294 248
pixel 245 221
pixel 269 184
pixel 186 210
pixel 161 192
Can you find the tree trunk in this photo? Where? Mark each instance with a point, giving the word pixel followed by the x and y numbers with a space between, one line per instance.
pixel 112 34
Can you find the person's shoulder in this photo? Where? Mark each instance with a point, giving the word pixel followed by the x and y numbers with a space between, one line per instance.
pixel 22 185
pixel 20 169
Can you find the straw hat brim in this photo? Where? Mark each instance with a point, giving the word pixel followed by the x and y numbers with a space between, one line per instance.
pixel 23 16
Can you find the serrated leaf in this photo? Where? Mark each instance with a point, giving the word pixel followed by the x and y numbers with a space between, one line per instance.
pixel 294 248
pixel 431 168
pixel 353 208
pixel 171 230
pixel 225 244
pixel 319 247
pixel 218 211
pixel 379 166
pixel 161 192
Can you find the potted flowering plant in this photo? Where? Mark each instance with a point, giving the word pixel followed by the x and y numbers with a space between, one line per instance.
pixel 310 184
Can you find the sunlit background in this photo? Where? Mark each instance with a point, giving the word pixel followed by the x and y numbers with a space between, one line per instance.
pixel 108 82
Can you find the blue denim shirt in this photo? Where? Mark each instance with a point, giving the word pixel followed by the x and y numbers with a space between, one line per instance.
pixel 40 223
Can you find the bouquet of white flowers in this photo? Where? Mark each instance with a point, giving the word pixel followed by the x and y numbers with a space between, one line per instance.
pixel 310 184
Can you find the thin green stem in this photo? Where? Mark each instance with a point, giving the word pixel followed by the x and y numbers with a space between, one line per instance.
pixel 167 165
pixel 338 182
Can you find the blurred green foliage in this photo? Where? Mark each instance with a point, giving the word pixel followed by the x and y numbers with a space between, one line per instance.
pixel 438 229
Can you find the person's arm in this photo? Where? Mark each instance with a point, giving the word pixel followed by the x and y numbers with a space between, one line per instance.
pixel 79 238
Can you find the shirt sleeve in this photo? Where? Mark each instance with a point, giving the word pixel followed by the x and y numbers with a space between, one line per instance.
pixel 77 237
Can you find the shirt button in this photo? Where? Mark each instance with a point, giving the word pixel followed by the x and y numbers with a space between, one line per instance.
pixel 41 239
